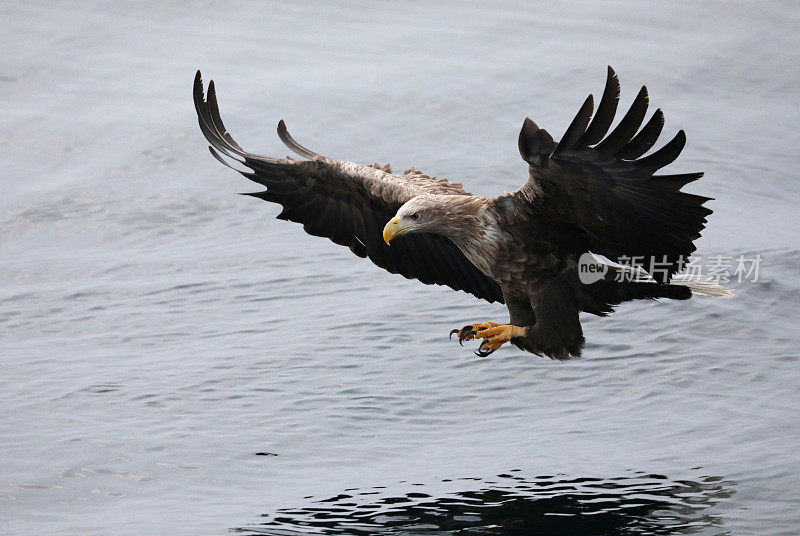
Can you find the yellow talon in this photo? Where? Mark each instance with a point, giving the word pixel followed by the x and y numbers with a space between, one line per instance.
pixel 494 335
pixel 477 327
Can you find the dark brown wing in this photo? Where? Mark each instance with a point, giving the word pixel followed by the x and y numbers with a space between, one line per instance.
pixel 603 196
pixel 349 204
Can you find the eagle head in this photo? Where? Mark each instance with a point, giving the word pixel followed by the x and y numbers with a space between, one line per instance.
pixel 421 213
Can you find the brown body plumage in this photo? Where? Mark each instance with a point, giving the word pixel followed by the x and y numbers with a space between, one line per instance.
pixel 591 192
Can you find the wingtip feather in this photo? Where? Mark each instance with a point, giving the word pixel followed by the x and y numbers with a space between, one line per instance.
pixel 291 143
pixel 577 128
pixel 535 144
pixel 606 111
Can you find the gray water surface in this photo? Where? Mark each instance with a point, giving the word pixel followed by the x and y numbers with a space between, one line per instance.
pixel 176 361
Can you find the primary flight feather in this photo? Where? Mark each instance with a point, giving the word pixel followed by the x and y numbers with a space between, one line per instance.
pixel 591 192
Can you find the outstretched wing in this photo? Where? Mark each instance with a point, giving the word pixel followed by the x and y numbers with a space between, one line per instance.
pixel 349 204
pixel 601 194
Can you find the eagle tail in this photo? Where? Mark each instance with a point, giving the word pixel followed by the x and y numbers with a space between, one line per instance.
pixel 702 285
pixel 623 284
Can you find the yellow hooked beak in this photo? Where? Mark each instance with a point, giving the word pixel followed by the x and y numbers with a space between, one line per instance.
pixel 392 230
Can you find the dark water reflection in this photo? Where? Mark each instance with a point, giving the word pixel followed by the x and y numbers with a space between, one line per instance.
pixel 511 504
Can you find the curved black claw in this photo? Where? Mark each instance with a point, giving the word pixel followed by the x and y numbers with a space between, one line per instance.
pixel 462 338
pixel 464 332
pixel 480 352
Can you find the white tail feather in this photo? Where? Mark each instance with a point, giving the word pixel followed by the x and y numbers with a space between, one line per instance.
pixel 702 285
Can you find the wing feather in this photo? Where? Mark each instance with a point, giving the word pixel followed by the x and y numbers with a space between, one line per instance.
pixel 577 128
pixel 664 156
pixel 628 126
pixel 645 139
pixel 605 198
pixel 605 111
pixel 292 144
pixel 348 203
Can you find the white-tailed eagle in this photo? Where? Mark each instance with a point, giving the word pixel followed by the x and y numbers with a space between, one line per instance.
pixel 593 191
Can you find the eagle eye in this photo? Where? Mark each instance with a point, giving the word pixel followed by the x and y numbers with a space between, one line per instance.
pixel 414 216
